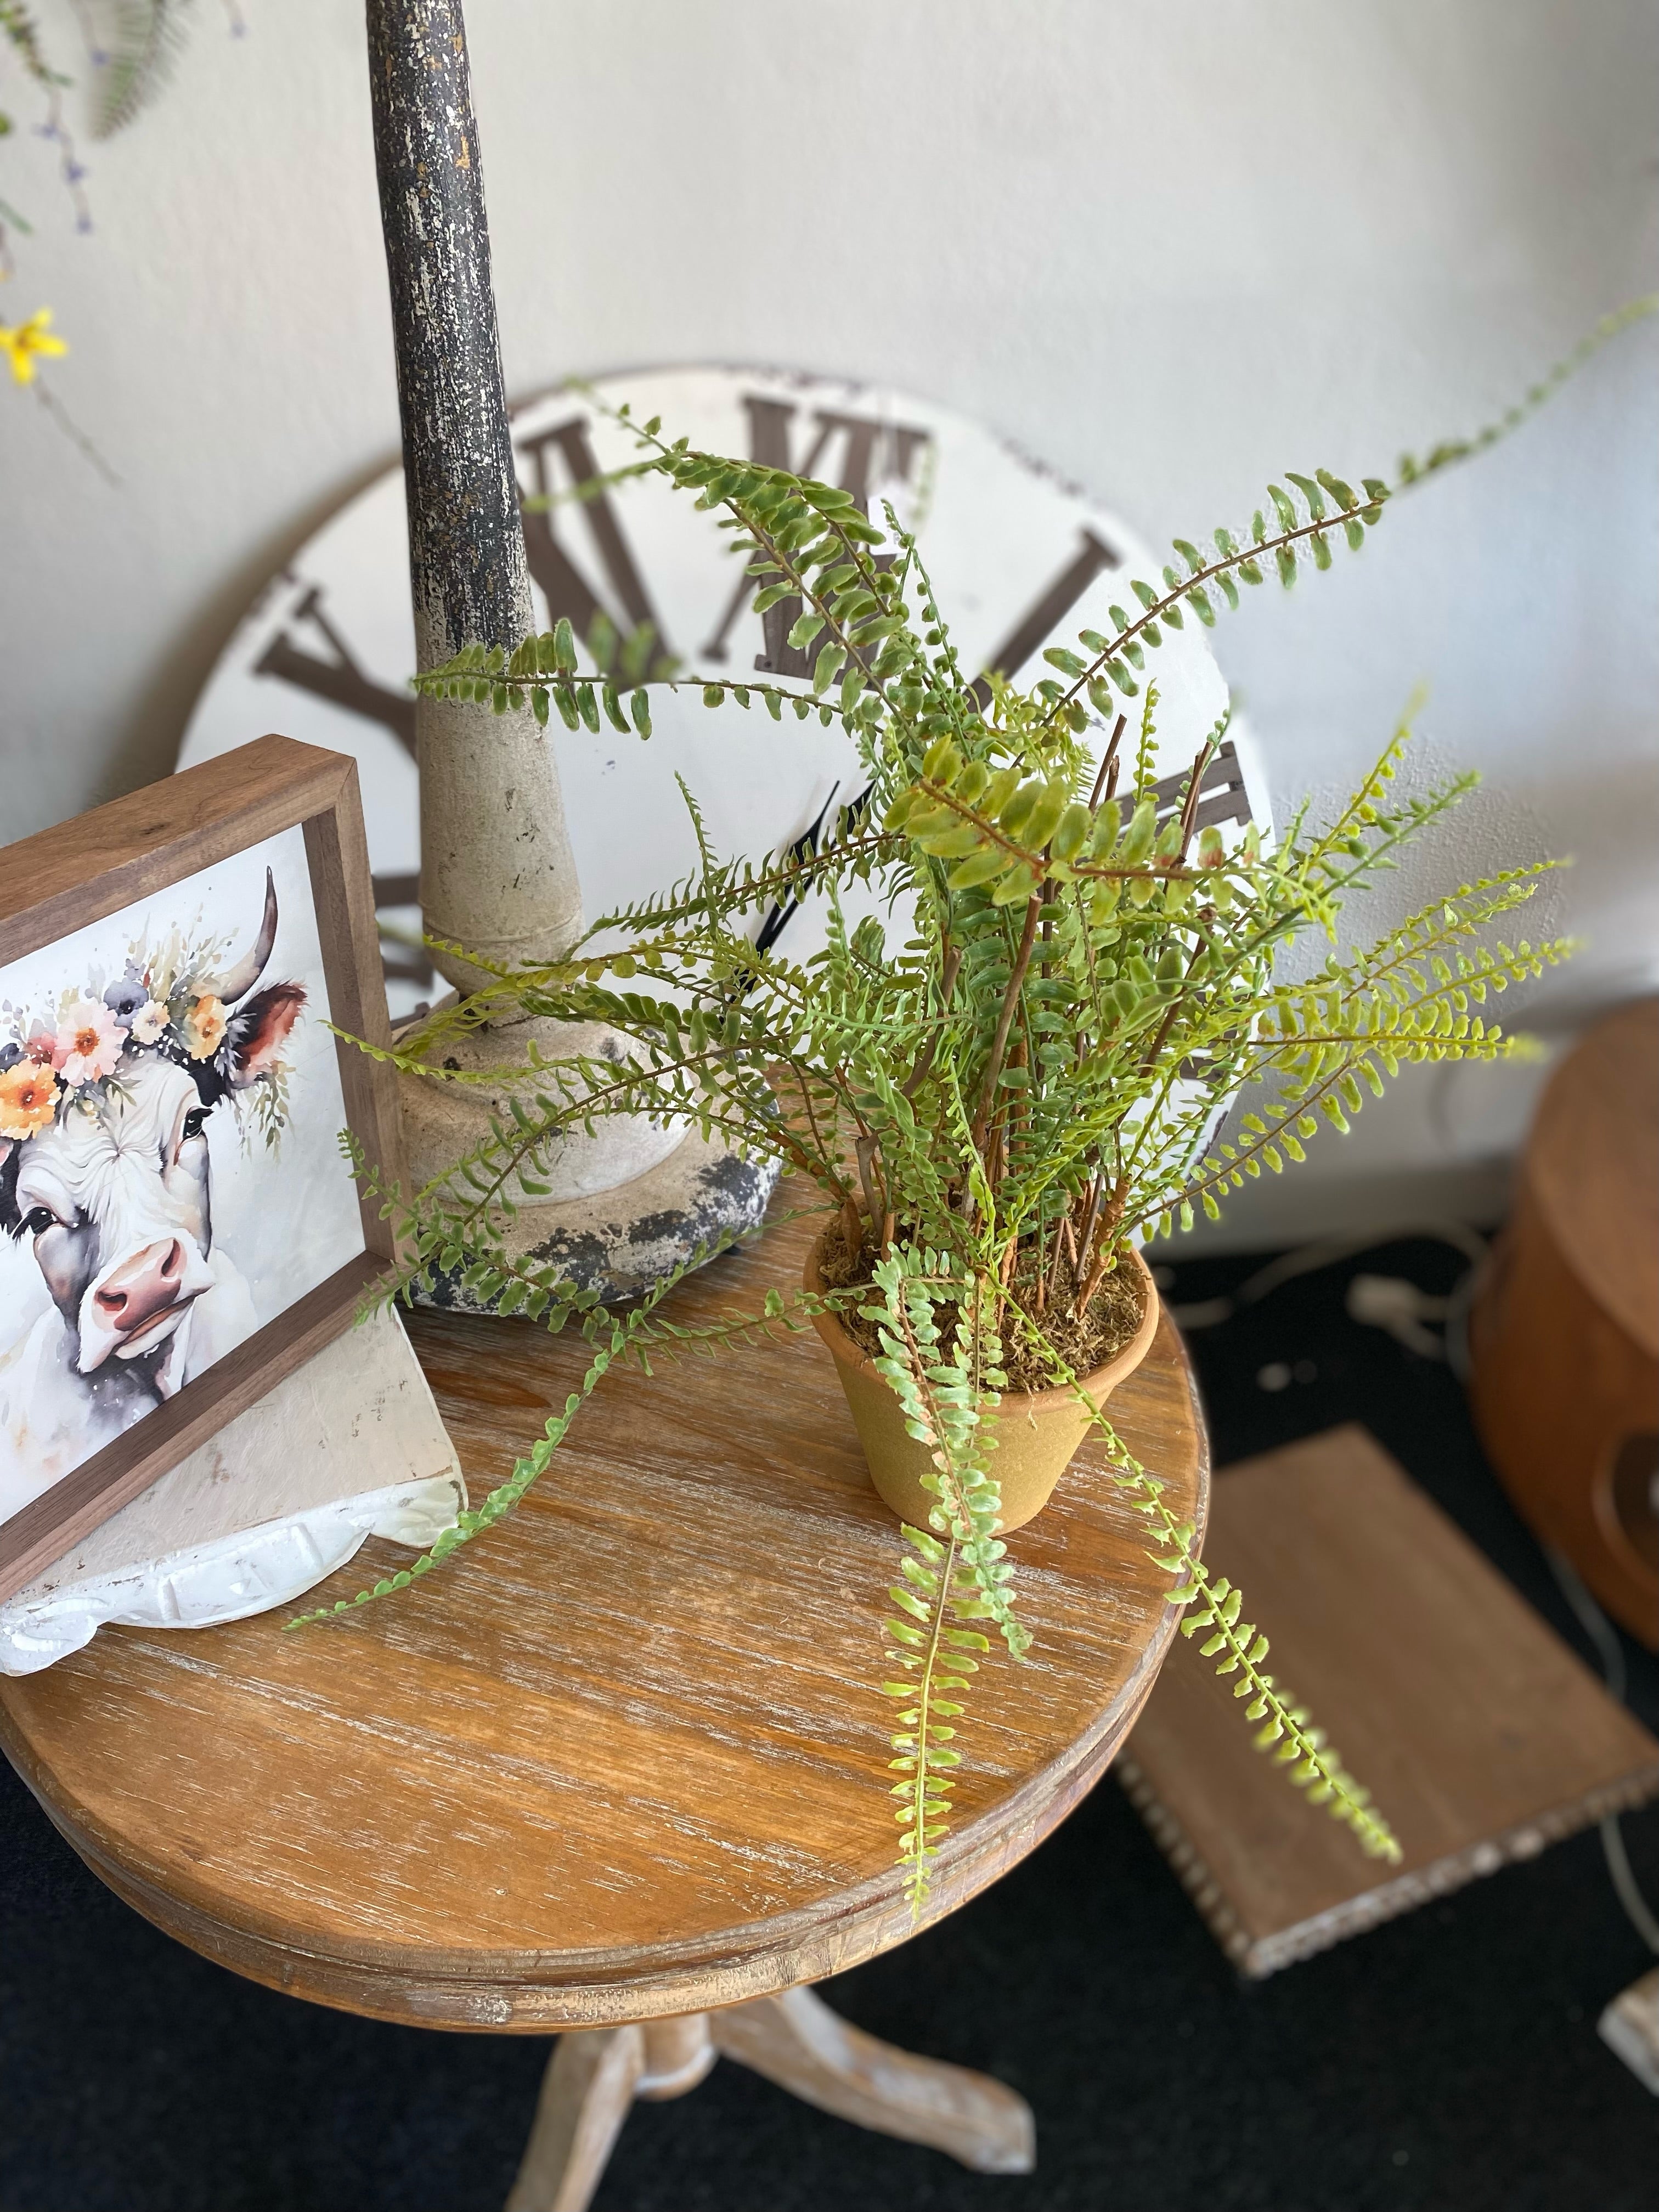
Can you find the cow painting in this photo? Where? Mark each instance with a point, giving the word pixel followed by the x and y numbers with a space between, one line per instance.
pixel 105 1174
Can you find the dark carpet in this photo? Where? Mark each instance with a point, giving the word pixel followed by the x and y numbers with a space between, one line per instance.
pixel 1448 2060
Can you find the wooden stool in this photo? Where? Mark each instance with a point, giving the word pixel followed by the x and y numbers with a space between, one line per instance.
pixel 1563 1333
pixel 621 1766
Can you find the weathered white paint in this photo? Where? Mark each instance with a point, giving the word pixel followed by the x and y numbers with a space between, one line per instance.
pixel 1173 252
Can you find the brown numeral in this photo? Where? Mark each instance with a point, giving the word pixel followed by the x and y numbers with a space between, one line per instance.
pixel 402 964
pixel 340 681
pixel 1093 555
pixel 1221 794
pixel 769 420
pixel 566 589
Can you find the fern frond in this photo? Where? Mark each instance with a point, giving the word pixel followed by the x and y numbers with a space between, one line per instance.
pixel 1411 470
pixel 934 1647
pixel 1017 1064
pixel 1287 1728
pixel 1213 1603
pixel 141 42
pixel 944 1397
pixel 619 1334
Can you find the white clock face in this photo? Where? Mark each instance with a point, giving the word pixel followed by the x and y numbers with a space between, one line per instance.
pixel 1019 560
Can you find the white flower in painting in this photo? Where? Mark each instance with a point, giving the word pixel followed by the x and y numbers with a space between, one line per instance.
pixel 150 1023
pixel 88 1043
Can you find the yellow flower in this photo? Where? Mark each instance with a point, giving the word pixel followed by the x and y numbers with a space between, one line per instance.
pixel 21 344
pixel 28 1098
pixel 203 1028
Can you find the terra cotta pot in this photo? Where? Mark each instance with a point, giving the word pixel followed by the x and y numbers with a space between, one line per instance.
pixel 1038 1432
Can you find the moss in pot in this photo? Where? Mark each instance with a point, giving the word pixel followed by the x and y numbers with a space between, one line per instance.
pixel 1036 1429
pixel 1001 1090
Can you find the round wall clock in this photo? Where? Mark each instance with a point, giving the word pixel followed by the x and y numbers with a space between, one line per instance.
pixel 1020 559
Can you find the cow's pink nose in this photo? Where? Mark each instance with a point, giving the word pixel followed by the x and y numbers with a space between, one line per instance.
pixel 141 1287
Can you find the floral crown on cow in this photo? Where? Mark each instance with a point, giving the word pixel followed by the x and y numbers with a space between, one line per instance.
pixel 175 1000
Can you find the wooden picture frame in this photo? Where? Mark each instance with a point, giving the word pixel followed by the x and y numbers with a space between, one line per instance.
pixel 59 882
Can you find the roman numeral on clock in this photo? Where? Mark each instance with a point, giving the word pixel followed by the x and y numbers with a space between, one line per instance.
pixel 1093 557
pixel 873 451
pixel 1222 796
pixel 567 590
pixel 341 681
pixel 339 678
pixel 401 963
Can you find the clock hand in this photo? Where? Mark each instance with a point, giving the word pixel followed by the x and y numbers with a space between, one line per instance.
pixel 807 847
pixel 804 848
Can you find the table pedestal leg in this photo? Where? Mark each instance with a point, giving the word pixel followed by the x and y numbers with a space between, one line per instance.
pixel 794 2040
pixel 586 2093
pixel 592 2079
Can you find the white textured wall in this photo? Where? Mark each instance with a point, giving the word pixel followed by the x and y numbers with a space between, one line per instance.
pixel 1173 250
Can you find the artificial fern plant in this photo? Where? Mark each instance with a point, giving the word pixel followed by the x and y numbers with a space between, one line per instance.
pixel 1012 1082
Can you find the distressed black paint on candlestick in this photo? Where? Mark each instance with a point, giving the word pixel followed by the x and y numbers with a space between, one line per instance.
pixel 497 874
pixel 466 538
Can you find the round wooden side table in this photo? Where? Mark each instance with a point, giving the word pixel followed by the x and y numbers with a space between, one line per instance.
pixel 620 1767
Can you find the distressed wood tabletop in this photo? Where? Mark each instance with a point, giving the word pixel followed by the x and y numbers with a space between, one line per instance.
pixel 624 1756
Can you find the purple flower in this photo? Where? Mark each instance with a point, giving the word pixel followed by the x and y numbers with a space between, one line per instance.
pixel 124 998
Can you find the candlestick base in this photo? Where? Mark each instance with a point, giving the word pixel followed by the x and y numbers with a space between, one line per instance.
pixel 620 1209
pixel 621 1242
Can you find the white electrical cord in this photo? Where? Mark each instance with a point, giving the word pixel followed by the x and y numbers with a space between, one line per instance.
pixel 1605 1637
pixel 1390 1302
pixel 1383 1301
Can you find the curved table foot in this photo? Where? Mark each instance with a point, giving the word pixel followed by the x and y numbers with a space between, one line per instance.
pixel 794 2040
pixel 591 2081
pixel 586 2093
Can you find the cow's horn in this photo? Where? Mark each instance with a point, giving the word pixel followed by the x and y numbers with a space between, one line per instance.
pixel 246 973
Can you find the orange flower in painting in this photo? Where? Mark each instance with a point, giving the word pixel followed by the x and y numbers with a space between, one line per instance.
pixel 28 1098
pixel 203 1028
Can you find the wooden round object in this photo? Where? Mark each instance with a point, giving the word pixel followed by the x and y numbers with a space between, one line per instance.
pixel 1563 1333
pixel 625 1757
